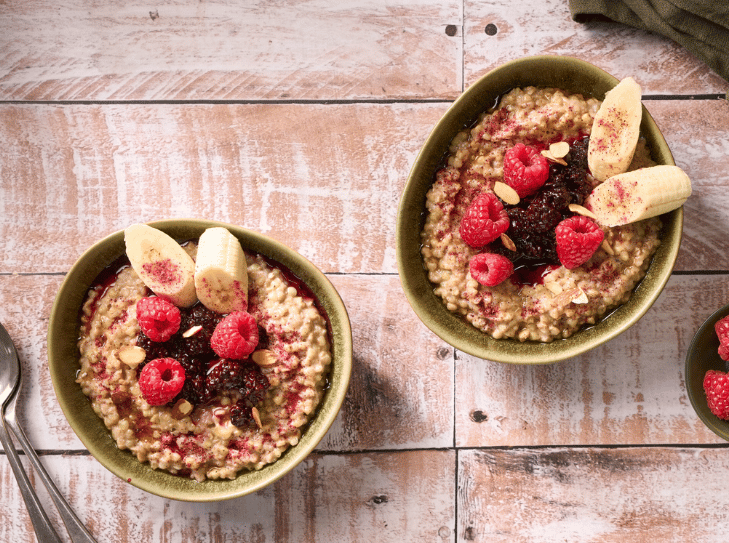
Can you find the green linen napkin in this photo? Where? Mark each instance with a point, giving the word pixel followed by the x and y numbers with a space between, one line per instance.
pixel 700 26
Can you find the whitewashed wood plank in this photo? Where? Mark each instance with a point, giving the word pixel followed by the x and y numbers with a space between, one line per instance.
pixel 388 497
pixel 392 403
pixel 323 179
pixel 698 135
pixel 630 495
pixel 629 390
pixel 228 50
pixel 502 30
pixel 76 173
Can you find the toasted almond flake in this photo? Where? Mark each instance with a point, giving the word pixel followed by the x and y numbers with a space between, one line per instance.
pixel 192 331
pixel 132 356
pixel 264 358
pixel 576 208
pixel 506 193
pixel 559 149
pixel 508 243
pixel 256 417
pixel 567 296
pixel 581 297
pixel 549 156
pixel 181 409
pixel 554 288
pixel 607 248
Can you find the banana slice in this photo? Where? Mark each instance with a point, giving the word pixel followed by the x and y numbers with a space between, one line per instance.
pixel 638 195
pixel 221 274
pixel 162 264
pixel 615 131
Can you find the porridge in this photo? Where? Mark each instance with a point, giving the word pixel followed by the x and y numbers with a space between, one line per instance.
pixel 483 218
pixel 177 398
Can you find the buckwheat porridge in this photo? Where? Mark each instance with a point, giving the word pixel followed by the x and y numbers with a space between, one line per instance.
pixel 189 395
pixel 545 292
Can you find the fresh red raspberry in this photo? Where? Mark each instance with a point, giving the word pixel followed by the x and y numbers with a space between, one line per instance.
pixel 724 351
pixel 722 330
pixel 236 336
pixel 525 169
pixel 577 240
pixel 490 269
pixel 161 380
pixel 484 220
pixel 716 387
pixel 158 318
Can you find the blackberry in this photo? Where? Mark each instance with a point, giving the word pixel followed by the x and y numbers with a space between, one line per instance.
pixel 241 414
pixel 533 219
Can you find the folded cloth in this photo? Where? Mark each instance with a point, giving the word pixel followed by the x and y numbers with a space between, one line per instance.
pixel 700 26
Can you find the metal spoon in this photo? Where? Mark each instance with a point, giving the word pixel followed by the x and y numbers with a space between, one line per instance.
pixel 10 383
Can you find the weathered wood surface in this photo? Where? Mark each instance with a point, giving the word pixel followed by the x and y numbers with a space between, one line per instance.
pixel 631 495
pixel 77 173
pixel 388 497
pixel 113 113
pixel 314 50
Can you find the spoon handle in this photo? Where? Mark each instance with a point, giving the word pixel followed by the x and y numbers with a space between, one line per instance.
pixel 41 523
pixel 74 526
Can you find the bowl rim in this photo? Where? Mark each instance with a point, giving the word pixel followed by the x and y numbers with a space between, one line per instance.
pixel 92 432
pixel 694 383
pixel 418 290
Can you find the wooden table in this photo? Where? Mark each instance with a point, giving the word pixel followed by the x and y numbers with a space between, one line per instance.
pixel 301 119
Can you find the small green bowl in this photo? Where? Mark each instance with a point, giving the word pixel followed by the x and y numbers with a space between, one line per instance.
pixel 570 74
pixel 702 356
pixel 63 361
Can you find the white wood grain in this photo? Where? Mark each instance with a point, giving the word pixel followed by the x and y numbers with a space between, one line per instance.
pixel 389 497
pixel 629 390
pixel 76 173
pixel 672 495
pixel 545 28
pixel 227 50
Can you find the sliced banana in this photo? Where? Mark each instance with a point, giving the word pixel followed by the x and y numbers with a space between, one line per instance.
pixel 161 263
pixel 615 131
pixel 638 195
pixel 221 275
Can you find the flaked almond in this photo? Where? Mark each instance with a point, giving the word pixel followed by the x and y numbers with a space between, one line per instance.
pixel 559 149
pixel 581 297
pixel 181 409
pixel 508 242
pixel 506 193
pixel 192 331
pixel 256 417
pixel 132 356
pixel 607 248
pixel 576 208
pixel 264 358
pixel 549 156
pixel 554 288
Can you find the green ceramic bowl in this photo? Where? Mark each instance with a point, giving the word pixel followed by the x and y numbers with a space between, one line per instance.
pixel 63 361
pixel 570 74
pixel 703 356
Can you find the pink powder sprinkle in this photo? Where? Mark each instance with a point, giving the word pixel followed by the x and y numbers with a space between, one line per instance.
pixel 165 272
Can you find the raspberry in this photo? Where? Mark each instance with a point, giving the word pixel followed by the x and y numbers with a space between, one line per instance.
pixel 724 352
pixel 490 269
pixel 716 386
pixel 484 220
pixel 525 169
pixel 236 336
pixel 722 330
pixel 577 240
pixel 158 318
pixel 161 380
